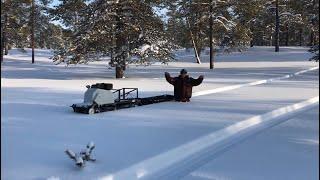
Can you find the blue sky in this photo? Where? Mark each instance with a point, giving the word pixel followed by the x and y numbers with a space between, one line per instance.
pixel 55 2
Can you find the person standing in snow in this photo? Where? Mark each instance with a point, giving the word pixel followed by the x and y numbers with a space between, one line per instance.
pixel 183 85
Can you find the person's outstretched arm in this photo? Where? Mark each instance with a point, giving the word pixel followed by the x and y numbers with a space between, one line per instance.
pixel 169 78
pixel 196 82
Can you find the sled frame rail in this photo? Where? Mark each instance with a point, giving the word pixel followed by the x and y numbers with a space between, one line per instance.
pixel 123 93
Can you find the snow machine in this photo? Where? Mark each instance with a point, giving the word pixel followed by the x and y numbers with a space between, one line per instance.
pixel 102 97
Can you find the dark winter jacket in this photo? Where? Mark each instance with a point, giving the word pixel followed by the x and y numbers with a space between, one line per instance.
pixel 183 86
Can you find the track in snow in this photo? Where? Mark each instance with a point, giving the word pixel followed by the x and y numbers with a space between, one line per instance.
pixel 228 88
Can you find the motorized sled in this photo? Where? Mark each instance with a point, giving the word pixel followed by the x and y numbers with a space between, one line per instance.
pixel 102 97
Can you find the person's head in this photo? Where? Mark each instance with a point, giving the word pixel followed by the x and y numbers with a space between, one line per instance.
pixel 183 72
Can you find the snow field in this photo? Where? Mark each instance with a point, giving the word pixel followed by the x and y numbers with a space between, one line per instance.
pixel 36 116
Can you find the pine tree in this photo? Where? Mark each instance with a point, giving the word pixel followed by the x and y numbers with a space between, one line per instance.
pixel 47 34
pixel 249 16
pixel 309 11
pixel 298 21
pixel 14 18
pixel 16 27
pixel 129 31
pixel 228 33
pixel 177 28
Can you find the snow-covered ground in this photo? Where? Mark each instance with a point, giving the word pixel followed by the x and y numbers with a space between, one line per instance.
pixel 37 124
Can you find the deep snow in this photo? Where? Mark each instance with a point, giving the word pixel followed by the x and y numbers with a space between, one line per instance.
pixel 38 125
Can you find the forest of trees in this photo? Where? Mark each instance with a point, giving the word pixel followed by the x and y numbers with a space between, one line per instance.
pixel 131 31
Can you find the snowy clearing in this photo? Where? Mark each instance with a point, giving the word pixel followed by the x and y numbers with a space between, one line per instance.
pixel 38 123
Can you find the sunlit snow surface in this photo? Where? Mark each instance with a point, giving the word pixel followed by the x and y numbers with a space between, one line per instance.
pixel 38 124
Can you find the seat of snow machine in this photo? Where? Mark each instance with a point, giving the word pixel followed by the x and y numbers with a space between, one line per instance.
pixel 105 86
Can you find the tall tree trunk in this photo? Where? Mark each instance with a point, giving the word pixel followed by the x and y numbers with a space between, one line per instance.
pixel 41 42
pixel 199 49
pixel 211 38
pixel 120 50
pixel 300 37
pixel 287 36
pixel 4 38
pixel 194 43
pixel 2 44
pixel 312 38
pixel 32 31
pixel 6 47
pixel 251 43
pixel 3 35
pixel 198 41
pixel 111 53
pixel 196 54
pixel 112 45
pixel 124 66
pixel 277 30
pixel 119 72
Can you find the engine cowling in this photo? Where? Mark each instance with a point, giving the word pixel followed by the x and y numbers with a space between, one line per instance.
pixel 99 96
